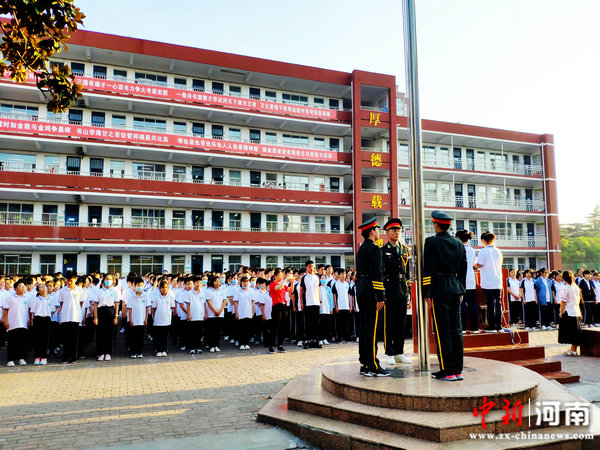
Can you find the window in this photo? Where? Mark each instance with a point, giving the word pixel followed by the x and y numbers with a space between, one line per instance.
pixel 319 102
pixel 217 131
pixel 47 264
pixel 150 79
pixel 501 230
pixel 254 94
pixel 430 191
pixel 96 167
pixel 295 141
pixel 297 262
pixel 446 192
pixel 319 143
pixel 429 154
pixel 217 175
pixel 178 264
pixel 235 134
pixel 334 184
pixel 255 221
pixel 146 264
pixel 320 224
pixel 178 220
pixel 235 261
pixel 146 124
pixel 521 263
pixel 271 179
pixel 217 88
pixel 78 69
pixel 271 138
pixel 117 169
pixel 49 214
pixel 319 183
pixel 336 261
pixel 179 127
pixel 148 171
pixel 335 224
pixel 271 222
pixel 295 182
pixel 100 72
pixel 484 226
pixel 482 193
pixel 98 119
pixel 255 136
pixel 120 75
pixel 115 263
pixel 15 264
pixel 271 261
pixel 180 83
pixel 235 178
pixel 51 163
pixel 73 165
pixel 320 260
pixel 334 144
pixel 19 111
pixel 197 219
pixel 271 96
pixel 217 219
pixel 198 174
pixel 255 261
pixel 17 162
pixel 16 213
pixel 334 103
pixel 179 173
pixel 235 91
pixel 118 121
pixel 115 217
pixel 235 221
pixel 255 178
pixel 147 218
pixel 75 116
pixel 198 85
pixel 295 223
pixel 295 99
pixel 198 129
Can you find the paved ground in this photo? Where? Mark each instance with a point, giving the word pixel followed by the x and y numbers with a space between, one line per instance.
pixel 189 401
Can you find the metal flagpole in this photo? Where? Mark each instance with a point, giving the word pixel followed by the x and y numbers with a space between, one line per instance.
pixel 416 169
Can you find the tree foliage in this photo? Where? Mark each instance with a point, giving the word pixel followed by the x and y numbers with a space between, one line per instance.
pixel 580 242
pixel 36 30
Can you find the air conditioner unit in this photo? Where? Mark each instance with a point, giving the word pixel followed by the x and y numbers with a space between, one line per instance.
pixel 78 198
pixel 79 151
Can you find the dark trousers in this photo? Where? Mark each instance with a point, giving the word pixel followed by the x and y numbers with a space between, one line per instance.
pixel 342 328
pixel 546 314
pixel 367 344
pixel 268 335
pixel 470 309
pixel 257 327
pixel 589 318
pixel 161 334
pixel 213 331
pixel 531 314
pixel 136 335
pixel 17 342
pixel 69 331
pixel 556 313
pixel 184 333
pixel 55 336
pixel 311 316
pixel 448 330
pixel 494 308
pixel 243 330
pixel 41 335
pixel 395 317
pixel 278 323
pixel 324 326
pixel 299 325
pixel 515 311
pixel 195 336
pixel 104 332
pixel 2 335
pixel 229 325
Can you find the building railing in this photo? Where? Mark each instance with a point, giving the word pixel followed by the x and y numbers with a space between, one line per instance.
pixel 162 176
pixel 501 240
pixel 151 224
pixel 458 201
pixel 474 165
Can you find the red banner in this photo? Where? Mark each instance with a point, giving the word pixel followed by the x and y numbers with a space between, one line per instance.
pixel 142 137
pixel 203 98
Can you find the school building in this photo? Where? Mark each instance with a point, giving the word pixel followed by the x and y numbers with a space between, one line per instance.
pixel 185 159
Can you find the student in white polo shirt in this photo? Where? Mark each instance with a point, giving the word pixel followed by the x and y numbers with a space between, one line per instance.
pixel 530 301
pixel 41 310
pixel 163 308
pixel 310 293
pixel 138 306
pixel 106 316
pixel 342 308
pixel 244 310
pixel 489 263
pixel 216 302
pixel 197 314
pixel 71 298
pixel 16 320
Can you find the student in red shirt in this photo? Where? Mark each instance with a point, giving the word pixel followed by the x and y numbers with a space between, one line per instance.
pixel 282 283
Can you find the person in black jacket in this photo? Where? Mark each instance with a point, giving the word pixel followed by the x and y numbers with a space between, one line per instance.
pixel 444 279
pixel 369 293
pixel 589 297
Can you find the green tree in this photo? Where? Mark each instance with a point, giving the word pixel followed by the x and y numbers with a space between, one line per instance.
pixel 36 30
pixel 593 221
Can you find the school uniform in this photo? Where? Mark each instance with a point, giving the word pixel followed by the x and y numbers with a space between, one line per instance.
pixel 531 307
pixel 197 314
pixel 18 319
pixel 469 304
pixel 490 259
pixel 71 301
pixel 311 297
pixel 105 301
pixel 569 331
pixel 163 306
pixel 41 309
pixel 214 323
pixel 3 294
pixel 138 306
pixel 228 322
pixel 325 313
pixel 543 289
pixel 55 336
pixel 267 302
pixel 589 298
pixel 556 289
pixel 515 305
pixel 245 306
pixel 182 299
pixel 340 291
pixel 596 308
pixel 299 316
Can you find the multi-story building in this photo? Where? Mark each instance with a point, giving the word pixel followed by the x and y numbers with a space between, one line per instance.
pixel 184 159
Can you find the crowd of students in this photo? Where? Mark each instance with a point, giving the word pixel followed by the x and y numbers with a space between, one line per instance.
pixel 310 308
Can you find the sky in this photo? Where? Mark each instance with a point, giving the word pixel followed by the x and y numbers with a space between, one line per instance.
pixel 523 65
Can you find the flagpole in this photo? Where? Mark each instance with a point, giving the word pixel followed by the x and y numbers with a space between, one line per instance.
pixel 416 171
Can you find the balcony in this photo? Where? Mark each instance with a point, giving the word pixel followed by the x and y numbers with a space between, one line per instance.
pixel 502 241
pixel 496 204
pixel 79 133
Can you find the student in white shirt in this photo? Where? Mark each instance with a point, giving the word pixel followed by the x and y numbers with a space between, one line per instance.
pixel 513 288
pixel 469 304
pixel 529 296
pixel 16 320
pixel 40 311
pixel 266 305
pixel 197 314
pixel 71 298
pixel 216 302
pixel 106 316
pixel 4 281
pixel 244 310
pixel 342 306
pixel 256 333
pixel 182 300
pixel 489 262
pixel 569 331
pixel 557 285
pixel 138 306
pixel 325 312
pixel 309 292
pixel 163 308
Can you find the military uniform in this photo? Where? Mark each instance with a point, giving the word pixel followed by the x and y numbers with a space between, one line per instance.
pixel 369 291
pixel 444 279
pixel 395 275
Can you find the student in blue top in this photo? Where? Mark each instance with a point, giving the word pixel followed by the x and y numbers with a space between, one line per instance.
pixel 543 289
